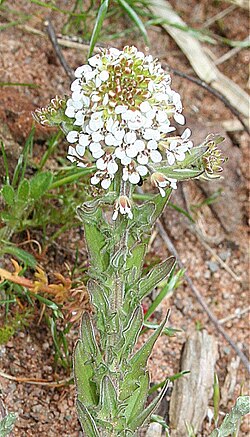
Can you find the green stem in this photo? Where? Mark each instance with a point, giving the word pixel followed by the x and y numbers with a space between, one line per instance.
pixel 118 288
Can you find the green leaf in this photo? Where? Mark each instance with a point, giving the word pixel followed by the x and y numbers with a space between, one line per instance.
pixel 7 424
pixel 135 18
pixel 96 243
pixel 134 262
pixel 159 419
pixel 63 180
pixel 86 420
pixel 8 194
pixel 170 378
pixel 98 25
pixel 21 254
pixel 137 421
pixel 39 184
pixel 137 364
pixel 160 203
pixel 136 402
pixel 156 275
pixel 179 174
pixel 230 423
pixel 108 400
pixel 84 373
pixel 49 303
pixel 88 339
pixel 131 332
pixel 101 303
pixel 23 191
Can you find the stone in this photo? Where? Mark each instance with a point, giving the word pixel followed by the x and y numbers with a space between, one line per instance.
pixel 154 430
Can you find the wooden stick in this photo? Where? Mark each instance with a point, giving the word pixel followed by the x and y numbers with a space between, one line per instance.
pixel 59 54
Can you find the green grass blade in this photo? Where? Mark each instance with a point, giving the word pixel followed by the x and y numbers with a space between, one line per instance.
pixel 23 159
pixel 134 17
pixel 30 85
pixel 157 301
pixel 50 6
pixel 178 375
pixel 72 178
pixel 26 257
pixel 98 25
pixel 5 163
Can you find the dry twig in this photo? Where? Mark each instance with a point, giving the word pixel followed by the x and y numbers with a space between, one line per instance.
pixel 34 381
pixel 229 54
pixel 59 54
pixel 237 315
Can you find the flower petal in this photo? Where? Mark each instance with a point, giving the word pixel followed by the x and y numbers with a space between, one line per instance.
pixel 72 136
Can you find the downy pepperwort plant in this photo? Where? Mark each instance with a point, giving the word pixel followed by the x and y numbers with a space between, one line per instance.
pixel 119 119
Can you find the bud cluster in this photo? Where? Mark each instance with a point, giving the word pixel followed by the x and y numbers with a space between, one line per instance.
pixel 51 114
pixel 212 160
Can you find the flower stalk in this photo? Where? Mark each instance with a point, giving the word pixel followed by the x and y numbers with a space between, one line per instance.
pixel 118 121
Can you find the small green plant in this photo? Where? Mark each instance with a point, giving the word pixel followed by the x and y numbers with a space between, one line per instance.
pixel 13 324
pixel 7 424
pixel 230 424
pixel 118 124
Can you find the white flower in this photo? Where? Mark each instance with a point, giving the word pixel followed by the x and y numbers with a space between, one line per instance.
pixel 152 134
pixel 123 117
pixel 145 107
pixel 120 109
pixel 104 75
pixel 134 175
pixel 79 116
pixel 179 118
pixel 178 146
pixel 160 181
pixel 73 136
pixel 122 206
pixel 75 155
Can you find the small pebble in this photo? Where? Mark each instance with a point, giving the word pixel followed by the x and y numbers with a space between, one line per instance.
pixel 226 350
pixel 207 274
pixel 213 266
pixel 225 255
pixel 37 408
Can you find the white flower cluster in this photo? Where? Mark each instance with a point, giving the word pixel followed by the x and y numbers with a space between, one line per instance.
pixel 122 104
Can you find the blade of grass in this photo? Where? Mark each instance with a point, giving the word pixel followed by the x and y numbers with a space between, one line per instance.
pixel 31 85
pixel 52 143
pixel 170 378
pixel 11 24
pixel 172 282
pixel 5 163
pixel 50 6
pixel 72 178
pixel 23 159
pixel 134 17
pixel 98 25
pixel 21 254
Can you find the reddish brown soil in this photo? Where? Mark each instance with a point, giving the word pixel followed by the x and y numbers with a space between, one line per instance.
pixel 28 58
